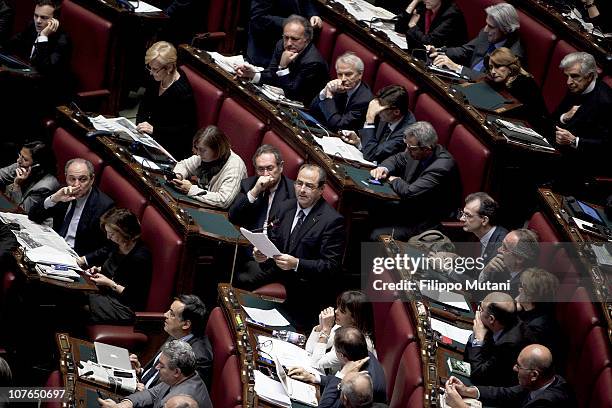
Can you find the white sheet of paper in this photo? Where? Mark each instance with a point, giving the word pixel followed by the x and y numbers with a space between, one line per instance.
pixel 270 317
pixel 271 390
pixel 334 146
pixel 448 330
pixel 261 241
pixel 448 298
pixel 51 256
pixel 145 7
pixel 145 162
pixel 288 354
pixel 362 10
pixel 33 235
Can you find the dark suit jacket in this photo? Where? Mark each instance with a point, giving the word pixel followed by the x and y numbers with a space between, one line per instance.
pixel 557 395
pixel 157 396
pixel 185 20
pixel 307 74
pixel 266 25
pixel 6 21
pixel 330 396
pixel 203 351
pixel 338 113
pixel 253 215
pixel 544 329
pixel 591 123
pixel 494 243
pixel 90 240
pixel 375 149
pixel 448 28
pixel 492 362
pixel 470 53
pixel 434 193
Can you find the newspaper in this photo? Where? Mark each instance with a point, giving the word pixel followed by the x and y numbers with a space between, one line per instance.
pixel 334 146
pixel 33 235
pixel 101 375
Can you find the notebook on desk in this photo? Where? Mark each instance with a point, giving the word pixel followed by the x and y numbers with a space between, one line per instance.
pixel 297 390
pixel 482 96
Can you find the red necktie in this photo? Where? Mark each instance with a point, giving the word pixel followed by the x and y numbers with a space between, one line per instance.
pixel 428 18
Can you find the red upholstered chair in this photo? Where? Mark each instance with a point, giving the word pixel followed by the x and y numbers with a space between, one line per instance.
pixel 221 23
pixel 473 11
pixel 166 248
pixel 601 395
pixel 577 318
pixel 228 391
pixel 244 130
pixel 345 43
pixel 325 40
pixel 387 75
pixel 331 196
pixel 608 80
pixel 207 97
pixel 398 331
pixel 53 381
pixel 585 367
pixel 409 376
pixel 538 41
pixel 67 147
pixel 429 110
pixel 92 41
pixel 222 342
pixel 293 160
pixel 554 88
pixel 472 158
pixel 122 192
pixel 275 290
pixel 24 10
pixel 417 399
pixel 546 235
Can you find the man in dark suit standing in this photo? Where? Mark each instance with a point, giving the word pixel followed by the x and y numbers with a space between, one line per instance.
pixel 185 320
pixel 583 132
pixel 76 211
pixel 426 179
pixel 296 65
pixel 310 236
pixel 496 341
pixel 342 104
pixel 501 30
pixel 261 195
pixel 539 386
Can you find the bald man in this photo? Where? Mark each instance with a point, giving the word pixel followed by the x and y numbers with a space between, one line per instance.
pixel 539 386
pixel 356 390
pixel 496 341
pixel 181 401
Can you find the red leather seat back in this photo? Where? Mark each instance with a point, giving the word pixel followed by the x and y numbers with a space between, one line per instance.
pixel 292 159
pixel 217 11
pixel 24 13
pixel 222 342
pixel 538 41
pixel 243 129
pixel 577 318
pixel 601 395
pixel 67 147
pixel 53 381
pixel 387 75
pixel 331 196
pixel 546 235
pixel 91 37
pixel 429 110
pixel 398 331
pixel 228 391
pixel 608 80
pixel 325 40
pixel 166 247
pixel 122 192
pixel 207 98
pixel 473 11
pixel 472 158
pixel 409 376
pixel 345 43
pixel 554 87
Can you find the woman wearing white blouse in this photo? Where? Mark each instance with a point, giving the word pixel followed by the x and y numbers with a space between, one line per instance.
pixel 352 310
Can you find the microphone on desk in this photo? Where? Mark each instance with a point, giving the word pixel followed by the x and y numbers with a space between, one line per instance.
pixel 99 133
pixel 86 374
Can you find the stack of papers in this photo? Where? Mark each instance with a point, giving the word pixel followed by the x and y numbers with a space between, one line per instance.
pixel 50 256
pixel 270 317
pixel 143 7
pixel 276 94
pixel 33 235
pixel 521 129
pixel 228 64
pixel 57 273
pixel 270 390
pixel 334 146
pixel 364 11
pixel 448 330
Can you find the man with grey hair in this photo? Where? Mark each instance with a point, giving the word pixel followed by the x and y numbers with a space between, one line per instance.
pixel 342 104
pixel 181 401
pixel 356 390
pixel 583 126
pixel 177 374
pixel 76 210
pixel 426 179
pixel 501 30
pixel 296 65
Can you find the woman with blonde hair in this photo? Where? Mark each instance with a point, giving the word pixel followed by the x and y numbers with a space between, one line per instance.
pixel 167 111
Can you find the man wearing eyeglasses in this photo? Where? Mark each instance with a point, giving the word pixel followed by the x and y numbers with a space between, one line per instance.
pixel 296 65
pixel 426 179
pixel 539 386
pixel 309 234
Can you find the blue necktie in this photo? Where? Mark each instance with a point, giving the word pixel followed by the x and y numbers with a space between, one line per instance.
pixel 67 219
pixel 479 66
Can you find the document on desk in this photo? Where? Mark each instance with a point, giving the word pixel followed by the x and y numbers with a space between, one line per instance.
pixel 229 63
pixel 144 162
pixel 50 256
pixel 450 331
pixel 271 390
pixel 287 353
pixel 143 7
pixel 276 94
pixel 362 10
pixel 271 317
pixel 261 241
pixel 33 235
pixel 102 375
pixel 453 299
pixel 334 146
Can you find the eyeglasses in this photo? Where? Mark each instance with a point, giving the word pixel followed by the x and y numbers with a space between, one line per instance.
pixel 307 186
pixel 462 214
pixel 262 170
pixel 294 39
pixel 155 70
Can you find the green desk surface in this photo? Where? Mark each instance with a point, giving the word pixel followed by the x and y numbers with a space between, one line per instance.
pixel 259 303
pixel 174 193
pixel 481 95
pixel 361 176
pixel 87 353
pixel 213 223
pixel 5 203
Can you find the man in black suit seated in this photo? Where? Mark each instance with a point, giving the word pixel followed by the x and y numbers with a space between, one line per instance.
pixel 6 21
pixel 261 195
pixel 583 133
pixel 496 340
pixel 539 386
pixel 426 179
pixel 185 320
pixel 383 131
pixel 76 211
pixel 309 233
pixel 519 250
pixel 501 30
pixel 296 65
pixel 342 104
pixel 352 351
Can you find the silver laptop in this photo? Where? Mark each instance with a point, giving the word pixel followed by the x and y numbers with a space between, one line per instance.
pixel 112 357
